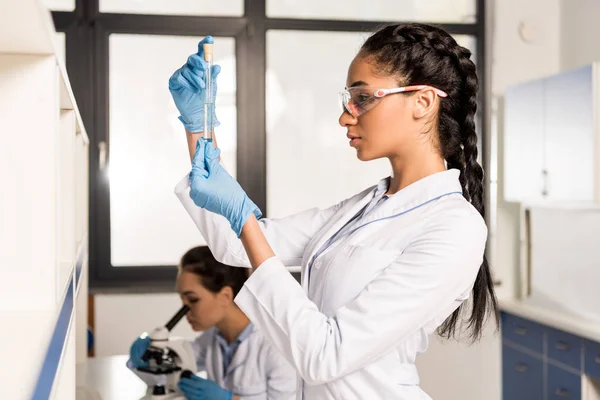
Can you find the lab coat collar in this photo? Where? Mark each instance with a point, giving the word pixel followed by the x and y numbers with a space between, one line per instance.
pixel 419 192
pixel 415 194
pixel 240 338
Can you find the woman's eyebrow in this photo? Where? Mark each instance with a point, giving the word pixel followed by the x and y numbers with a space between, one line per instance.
pixel 359 83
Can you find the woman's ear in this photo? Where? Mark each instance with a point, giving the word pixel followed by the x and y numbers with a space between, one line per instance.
pixel 226 294
pixel 424 104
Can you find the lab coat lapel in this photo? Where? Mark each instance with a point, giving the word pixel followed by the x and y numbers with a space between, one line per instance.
pixel 421 192
pixel 241 354
pixel 239 357
pixel 331 229
pixel 214 368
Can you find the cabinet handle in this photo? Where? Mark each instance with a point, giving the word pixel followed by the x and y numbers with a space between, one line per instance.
pixel 520 367
pixel 562 393
pixel 521 331
pixel 562 346
pixel 545 182
pixel 597 359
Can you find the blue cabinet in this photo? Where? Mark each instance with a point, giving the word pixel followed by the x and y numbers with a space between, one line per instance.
pixel 525 374
pixel 564 347
pixel 523 332
pixel 562 384
pixel 543 363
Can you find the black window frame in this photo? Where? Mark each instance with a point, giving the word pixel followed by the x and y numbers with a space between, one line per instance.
pixel 87 57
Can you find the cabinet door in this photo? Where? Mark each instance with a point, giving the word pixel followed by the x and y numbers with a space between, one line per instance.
pixel 565 348
pixel 592 358
pixel 522 138
pixel 522 375
pixel 562 384
pixel 569 141
pixel 522 332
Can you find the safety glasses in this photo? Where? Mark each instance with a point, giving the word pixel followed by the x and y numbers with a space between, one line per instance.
pixel 360 99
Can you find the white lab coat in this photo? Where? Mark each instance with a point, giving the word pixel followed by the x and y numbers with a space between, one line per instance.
pixel 373 299
pixel 257 370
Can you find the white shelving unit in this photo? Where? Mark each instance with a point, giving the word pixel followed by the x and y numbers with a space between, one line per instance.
pixel 43 210
pixel 552 138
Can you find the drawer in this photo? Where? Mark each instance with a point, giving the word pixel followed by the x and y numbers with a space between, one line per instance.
pixel 523 332
pixel 564 347
pixel 522 376
pixel 591 354
pixel 563 385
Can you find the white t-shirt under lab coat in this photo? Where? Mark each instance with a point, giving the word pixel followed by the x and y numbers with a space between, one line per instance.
pixel 355 330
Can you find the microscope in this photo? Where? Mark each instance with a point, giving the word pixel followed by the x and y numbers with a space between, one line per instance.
pixel 171 357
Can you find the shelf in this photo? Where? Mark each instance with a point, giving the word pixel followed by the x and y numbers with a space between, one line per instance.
pixel 26 27
pixel 44 213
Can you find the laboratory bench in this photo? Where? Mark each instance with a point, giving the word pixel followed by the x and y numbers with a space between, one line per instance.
pixel 548 354
pixel 108 378
pixel 103 378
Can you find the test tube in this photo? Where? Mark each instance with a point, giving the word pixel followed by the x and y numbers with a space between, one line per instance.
pixel 209 101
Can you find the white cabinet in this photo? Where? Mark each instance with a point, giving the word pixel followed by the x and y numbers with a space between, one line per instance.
pixel 43 209
pixel 523 138
pixel 551 138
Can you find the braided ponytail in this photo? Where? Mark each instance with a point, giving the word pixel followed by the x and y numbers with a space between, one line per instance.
pixel 423 54
pixel 472 181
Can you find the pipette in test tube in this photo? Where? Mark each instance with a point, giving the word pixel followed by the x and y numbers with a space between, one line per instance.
pixel 209 101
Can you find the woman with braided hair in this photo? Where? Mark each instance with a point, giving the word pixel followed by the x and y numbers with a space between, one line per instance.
pixel 386 268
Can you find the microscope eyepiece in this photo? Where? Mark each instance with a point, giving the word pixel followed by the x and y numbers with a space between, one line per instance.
pixel 177 317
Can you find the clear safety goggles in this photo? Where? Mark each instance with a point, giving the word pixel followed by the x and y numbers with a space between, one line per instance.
pixel 360 99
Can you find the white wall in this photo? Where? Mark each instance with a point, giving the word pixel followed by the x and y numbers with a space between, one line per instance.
pixel 526 46
pixel 564 36
pixel 580 32
pixel 451 370
pixel 119 319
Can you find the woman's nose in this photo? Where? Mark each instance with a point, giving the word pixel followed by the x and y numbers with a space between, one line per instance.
pixel 347 119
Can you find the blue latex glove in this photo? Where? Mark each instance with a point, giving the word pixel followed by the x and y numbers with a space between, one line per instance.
pixel 137 350
pixel 187 86
pixel 212 188
pixel 196 388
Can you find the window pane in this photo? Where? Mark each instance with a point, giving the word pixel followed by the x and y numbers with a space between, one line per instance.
pixel 148 148
pixel 179 7
pixel 60 5
pixel 469 42
pixel 306 147
pixel 461 11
